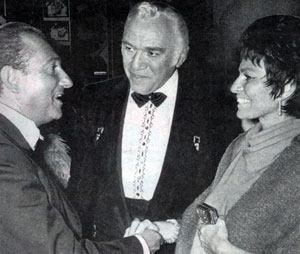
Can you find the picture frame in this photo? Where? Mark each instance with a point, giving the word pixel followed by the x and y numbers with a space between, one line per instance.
pixel 56 9
pixel 2 12
pixel 58 31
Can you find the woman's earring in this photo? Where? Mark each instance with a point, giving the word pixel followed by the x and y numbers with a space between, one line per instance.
pixel 279 111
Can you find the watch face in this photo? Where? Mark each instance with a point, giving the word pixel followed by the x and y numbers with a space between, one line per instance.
pixel 207 214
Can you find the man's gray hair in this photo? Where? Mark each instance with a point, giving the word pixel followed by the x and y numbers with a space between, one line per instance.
pixel 13 50
pixel 12 47
pixel 152 10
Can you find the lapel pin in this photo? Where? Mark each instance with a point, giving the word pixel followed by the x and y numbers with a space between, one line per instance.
pixel 99 132
pixel 196 141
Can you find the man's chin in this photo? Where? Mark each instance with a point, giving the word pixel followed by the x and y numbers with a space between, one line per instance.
pixel 56 115
pixel 140 88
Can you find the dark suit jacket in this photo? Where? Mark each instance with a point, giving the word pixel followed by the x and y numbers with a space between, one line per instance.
pixel 96 176
pixel 35 216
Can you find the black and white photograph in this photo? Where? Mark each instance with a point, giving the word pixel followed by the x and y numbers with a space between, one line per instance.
pixel 58 30
pixel 56 8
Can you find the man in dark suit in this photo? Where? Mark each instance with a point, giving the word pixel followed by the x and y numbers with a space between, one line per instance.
pixel 35 215
pixel 145 149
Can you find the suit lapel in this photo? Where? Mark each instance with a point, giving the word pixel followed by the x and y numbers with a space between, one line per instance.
pixel 111 119
pixel 177 129
pixel 174 141
pixel 185 126
pixel 56 197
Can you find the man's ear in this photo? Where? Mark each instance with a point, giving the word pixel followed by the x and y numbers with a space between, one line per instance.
pixel 182 57
pixel 9 77
pixel 289 90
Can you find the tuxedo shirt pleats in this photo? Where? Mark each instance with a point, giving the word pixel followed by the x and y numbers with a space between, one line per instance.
pixel 145 139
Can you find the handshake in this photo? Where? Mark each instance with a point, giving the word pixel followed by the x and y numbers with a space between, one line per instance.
pixel 154 233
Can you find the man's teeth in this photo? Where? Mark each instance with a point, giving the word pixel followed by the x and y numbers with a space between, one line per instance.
pixel 243 100
pixel 58 96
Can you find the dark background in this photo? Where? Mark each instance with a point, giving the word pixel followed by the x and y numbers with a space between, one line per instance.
pixel 215 27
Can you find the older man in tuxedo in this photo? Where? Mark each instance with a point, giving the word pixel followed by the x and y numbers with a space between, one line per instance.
pixel 35 215
pixel 145 149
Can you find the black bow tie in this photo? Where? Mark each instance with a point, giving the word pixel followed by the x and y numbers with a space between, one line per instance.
pixel 156 98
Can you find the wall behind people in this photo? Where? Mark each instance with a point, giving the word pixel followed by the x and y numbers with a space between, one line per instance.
pixel 230 18
pixel 215 27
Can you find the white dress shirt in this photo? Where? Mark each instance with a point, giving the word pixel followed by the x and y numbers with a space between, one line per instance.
pixel 26 126
pixel 146 134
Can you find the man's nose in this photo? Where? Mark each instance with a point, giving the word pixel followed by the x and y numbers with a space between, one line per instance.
pixel 139 62
pixel 65 80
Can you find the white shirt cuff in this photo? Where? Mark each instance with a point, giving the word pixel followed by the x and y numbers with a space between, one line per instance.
pixel 146 249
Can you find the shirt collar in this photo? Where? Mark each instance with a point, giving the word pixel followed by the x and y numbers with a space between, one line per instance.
pixel 26 126
pixel 169 88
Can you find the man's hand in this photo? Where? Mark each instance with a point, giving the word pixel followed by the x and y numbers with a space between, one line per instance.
pixel 138 227
pixel 153 239
pixel 168 229
pixel 147 230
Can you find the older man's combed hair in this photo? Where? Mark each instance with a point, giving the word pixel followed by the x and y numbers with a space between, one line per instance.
pixel 147 10
pixel 12 48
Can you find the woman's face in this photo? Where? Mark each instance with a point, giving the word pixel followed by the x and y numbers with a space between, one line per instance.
pixel 253 96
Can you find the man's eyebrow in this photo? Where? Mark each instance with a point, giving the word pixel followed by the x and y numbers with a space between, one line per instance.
pixel 126 42
pixel 159 49
pixel 53 59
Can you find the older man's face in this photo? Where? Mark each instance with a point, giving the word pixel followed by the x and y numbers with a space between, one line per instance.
pixel 149 53
pixel 43 83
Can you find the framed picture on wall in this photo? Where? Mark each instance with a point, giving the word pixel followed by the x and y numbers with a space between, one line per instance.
pixel 56 9
pixel 2 12
pixel 59 31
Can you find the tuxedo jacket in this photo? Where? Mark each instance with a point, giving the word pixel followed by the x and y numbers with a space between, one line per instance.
pixel 96 176
pixel 35 216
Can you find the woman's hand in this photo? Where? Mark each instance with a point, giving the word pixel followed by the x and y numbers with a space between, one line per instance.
pixel 214 239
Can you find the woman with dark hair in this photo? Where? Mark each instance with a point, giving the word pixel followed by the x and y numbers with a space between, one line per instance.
pixel 256 191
